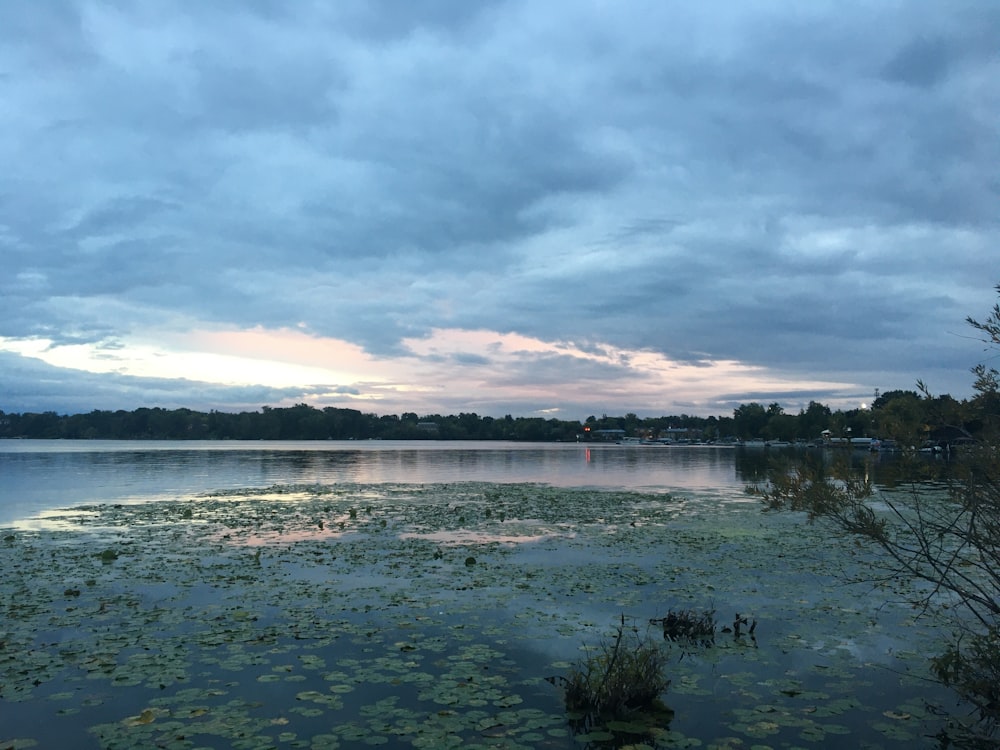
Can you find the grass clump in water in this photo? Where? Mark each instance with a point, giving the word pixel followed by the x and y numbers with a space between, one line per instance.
pixel 689 626
pixel 624 677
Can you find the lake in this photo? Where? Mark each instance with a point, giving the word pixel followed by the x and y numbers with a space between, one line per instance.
pixel 39 474
pixel 429 594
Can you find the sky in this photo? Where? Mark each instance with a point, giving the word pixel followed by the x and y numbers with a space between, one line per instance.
pixel 557 209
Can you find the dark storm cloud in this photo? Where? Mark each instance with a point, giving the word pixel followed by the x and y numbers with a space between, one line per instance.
pixel 810 189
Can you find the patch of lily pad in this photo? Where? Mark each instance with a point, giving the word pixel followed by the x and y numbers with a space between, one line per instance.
pixel 315 616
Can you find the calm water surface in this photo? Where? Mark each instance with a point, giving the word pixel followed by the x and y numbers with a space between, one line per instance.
pixel 831 663
pixel 37 475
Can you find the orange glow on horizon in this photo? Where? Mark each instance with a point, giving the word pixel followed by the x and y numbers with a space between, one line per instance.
pixel 476 367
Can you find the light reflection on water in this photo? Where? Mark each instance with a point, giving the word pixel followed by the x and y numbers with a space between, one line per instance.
pixel 695 548
pixel 37 475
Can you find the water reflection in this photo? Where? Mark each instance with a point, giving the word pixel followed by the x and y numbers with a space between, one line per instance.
pixel 818 639
pixel 40 475
pixel 885 470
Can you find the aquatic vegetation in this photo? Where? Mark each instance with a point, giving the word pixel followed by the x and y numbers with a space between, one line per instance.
pixel 942 547
pixel 617 686
pixel 689 626
pixel 249 624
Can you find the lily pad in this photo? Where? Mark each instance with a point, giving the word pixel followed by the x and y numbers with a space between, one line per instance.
pixel 216 640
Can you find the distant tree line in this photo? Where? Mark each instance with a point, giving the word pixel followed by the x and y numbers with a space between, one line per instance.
pixel 908 415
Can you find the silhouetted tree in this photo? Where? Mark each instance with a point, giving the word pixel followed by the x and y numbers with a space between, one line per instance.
pixel 952 543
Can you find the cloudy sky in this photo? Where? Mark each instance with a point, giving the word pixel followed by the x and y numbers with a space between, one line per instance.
pixel 538 208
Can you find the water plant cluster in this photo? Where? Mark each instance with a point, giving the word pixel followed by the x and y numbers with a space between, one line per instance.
pixel 690 626
pixel 314 616
pixel 618 686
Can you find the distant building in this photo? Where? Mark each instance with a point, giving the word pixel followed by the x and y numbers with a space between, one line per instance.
pixel 680 433
pixel 608 434
pixel 431 427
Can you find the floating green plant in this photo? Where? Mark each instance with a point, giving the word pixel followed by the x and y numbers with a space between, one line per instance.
pixel 217 627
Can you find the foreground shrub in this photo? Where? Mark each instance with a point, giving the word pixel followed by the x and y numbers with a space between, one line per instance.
pixel 624 676
pixel 948 543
